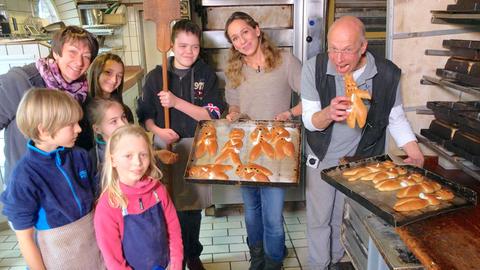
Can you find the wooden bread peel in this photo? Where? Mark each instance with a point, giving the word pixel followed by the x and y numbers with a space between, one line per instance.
pixel 162 13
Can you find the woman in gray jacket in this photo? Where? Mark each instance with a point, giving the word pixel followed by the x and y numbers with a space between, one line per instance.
pixel 72 51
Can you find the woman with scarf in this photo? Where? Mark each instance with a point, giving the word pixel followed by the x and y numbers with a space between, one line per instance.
pixel 72 51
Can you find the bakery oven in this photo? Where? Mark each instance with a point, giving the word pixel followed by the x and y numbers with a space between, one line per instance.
pixel 293 25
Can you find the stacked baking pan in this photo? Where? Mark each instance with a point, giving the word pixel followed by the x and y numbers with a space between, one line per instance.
pixel 463 67
pixel 466 6
pixel 456 127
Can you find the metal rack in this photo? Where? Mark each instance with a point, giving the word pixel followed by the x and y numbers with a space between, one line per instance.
pixel 471 20
pixel 458 161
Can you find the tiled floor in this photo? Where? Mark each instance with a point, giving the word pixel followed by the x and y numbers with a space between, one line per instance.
pixel 223 238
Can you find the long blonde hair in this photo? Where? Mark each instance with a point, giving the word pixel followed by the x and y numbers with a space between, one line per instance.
pixel 235 62
pixel 110 178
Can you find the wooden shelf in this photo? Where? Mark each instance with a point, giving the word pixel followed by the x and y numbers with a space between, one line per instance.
pixel 431 80
pixel 445 17
pixel 458 161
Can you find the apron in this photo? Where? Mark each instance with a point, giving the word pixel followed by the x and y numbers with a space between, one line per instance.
pixel 72 246
pixel 186 196
pixel 145 243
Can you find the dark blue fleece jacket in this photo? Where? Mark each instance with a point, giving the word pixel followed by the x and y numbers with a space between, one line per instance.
pixel 49 190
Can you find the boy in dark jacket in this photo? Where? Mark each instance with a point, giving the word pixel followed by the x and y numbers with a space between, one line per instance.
pixel 50 196
pixel 193 96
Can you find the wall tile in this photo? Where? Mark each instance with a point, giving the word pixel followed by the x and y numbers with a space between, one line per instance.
pixel 135 59
pixel 128 58
pixel 132 28
pixel 131 14
pixel 134 44
pixel 14 50
pixel 32 49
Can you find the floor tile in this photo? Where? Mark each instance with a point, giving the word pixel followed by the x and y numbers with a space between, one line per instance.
pixel 11 238
pixel 213 233
pixel 215 249
pixel 302 255
pixel 299 242
pixel 7 232
pixel 223 238
pixel 229 257
pixel 12 262
pixel 228 240
pixel 206 241
pixel 236 218
pixel 13 253
pixel 206 258
pixel 214 220
pixel 217 266
pixel 297 228
pixel 291 262
pixel 206 226
pixel 238 247
pixel 7 245
pixel 240 265
pixel 297 235
pixel 241 231
pixel 227 225
pixel 291 220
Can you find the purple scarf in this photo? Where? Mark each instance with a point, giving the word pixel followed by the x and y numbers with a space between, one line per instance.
pixel 50 73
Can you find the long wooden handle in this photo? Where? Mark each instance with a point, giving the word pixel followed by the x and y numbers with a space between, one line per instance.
pixel 165 88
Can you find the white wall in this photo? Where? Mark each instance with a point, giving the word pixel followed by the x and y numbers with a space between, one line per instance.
pixel 67 10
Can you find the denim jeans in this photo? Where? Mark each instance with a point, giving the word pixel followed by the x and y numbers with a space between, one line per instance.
pixel 264 219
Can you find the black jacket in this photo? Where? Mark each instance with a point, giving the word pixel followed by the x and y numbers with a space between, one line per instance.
pixel 198 86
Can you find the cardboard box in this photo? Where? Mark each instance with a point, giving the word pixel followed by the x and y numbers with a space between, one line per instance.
pixel 114 19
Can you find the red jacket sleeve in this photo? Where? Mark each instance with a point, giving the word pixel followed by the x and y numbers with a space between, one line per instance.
pixel 108 224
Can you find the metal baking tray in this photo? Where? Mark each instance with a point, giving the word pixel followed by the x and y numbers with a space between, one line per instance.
pixel 450 146
pixel 381 203
pixel 447 110
pixel 468 121
pixel 286 172
pixel 459 78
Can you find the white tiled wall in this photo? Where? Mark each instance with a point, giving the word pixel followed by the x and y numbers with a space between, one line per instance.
pixel 19 55
pixel 68 12
pixel 131 38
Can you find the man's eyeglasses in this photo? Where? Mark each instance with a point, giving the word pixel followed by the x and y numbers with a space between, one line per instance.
pixel 348 51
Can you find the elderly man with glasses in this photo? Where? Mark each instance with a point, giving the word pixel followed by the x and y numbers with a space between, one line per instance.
pixel 325 109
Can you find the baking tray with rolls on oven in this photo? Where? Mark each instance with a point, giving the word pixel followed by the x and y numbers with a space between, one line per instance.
pixel 246 152
pixel 399 194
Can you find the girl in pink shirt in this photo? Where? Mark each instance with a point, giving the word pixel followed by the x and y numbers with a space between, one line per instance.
pixel 136 224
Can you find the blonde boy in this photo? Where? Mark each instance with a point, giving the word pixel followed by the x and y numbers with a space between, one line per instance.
pixel 51 190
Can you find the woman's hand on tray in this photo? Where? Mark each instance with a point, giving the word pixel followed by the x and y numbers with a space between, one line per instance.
pixel 284 116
